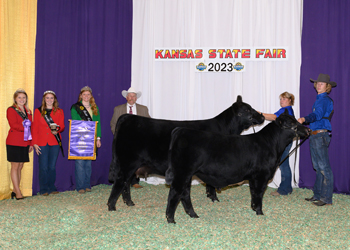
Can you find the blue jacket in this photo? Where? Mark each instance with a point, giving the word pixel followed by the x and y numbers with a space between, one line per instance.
pixel 322 107
pixel 281 111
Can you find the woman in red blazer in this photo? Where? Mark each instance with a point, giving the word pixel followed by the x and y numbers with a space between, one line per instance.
pixel 18 141
pixel 47 126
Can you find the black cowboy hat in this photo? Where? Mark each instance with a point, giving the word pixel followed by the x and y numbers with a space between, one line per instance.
pixel 324 78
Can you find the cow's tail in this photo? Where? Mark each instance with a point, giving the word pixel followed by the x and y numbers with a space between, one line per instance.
pixel 169 174
pixel 114 166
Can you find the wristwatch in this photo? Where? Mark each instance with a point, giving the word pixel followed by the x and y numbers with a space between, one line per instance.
pixel 98 138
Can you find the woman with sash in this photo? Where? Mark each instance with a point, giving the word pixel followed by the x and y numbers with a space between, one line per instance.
pixel 47 127
pixel 18 141
pixel 85 109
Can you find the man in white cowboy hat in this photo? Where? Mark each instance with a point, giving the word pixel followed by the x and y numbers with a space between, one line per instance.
pixel 320 124
pixel 130 107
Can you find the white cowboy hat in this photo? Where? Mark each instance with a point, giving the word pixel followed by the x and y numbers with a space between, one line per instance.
pixel 131 90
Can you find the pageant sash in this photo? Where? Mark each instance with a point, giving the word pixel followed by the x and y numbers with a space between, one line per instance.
pixel 26 124
pixel 82 140
pixel 21 114
pixel 81 110
pixel 49 120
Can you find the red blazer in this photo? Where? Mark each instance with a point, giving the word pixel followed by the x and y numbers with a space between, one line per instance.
pixel 15 136
pixel 41 131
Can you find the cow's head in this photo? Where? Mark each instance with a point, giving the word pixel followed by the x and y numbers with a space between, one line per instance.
pixel 247 115
pixel 288 122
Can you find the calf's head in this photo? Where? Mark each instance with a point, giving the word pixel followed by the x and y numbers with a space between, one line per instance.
pixel 288 122
pixel 247 115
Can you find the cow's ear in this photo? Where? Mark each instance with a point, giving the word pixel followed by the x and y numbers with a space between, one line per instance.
pixel 239 98
pixel 279 121
pixel 286 112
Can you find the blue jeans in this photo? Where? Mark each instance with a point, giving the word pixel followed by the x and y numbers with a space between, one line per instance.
pixel 47 168
pixel 323 187
pixel 285 187
pixel 82 174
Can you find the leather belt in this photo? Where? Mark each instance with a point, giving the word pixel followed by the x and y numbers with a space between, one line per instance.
pixel 319 131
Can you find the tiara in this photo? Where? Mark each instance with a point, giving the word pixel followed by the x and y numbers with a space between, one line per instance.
pixel 49 92
pixel 20 91
pixel 86 88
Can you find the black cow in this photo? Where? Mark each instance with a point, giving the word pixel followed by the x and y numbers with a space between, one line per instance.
pixel 141 141
pixel 221 160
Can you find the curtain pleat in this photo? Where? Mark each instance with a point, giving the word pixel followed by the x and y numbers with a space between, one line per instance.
pixel 17 63
pixel 174 90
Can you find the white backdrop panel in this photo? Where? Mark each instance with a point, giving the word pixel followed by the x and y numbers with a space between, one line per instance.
pixel 173 90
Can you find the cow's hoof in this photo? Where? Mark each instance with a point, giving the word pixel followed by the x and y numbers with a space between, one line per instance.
pixel 194 215
pixel 111 208
pixel 129 203
pixel 171 221
pixel 213 198
pixel 259 213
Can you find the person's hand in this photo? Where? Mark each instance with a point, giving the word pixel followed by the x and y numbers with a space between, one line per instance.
pixel 301 120
pixel 30 149
pixel 37 149
pixel 54 132
pixel 98 143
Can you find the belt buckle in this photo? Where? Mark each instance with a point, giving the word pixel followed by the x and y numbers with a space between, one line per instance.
pixel 315 132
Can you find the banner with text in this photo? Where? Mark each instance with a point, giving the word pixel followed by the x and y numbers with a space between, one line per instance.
pixel 221 59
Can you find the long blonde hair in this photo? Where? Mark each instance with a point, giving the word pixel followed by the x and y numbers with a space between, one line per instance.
pixel 54 105
pixel 92 100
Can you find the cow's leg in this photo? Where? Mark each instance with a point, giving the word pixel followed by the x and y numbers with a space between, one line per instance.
pixel 186 201
pixel 173 201
pixel 257 190
pixel 115 193
pixel 211 193
pixel 126 193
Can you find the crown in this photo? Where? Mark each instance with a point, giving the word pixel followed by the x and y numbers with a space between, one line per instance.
pixel 86 88
pixel 49 92
pixel 20 91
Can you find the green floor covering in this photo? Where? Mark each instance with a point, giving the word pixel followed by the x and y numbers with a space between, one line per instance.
pixel 71 220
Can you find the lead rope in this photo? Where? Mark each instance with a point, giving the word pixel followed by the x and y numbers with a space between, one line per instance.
pixel 290 153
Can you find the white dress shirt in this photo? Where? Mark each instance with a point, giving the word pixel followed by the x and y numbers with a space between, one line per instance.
pixel 133 109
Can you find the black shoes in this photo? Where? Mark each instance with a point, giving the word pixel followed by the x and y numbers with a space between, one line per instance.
pixel 317 202
pixel 13 195
pixel 321 203
pixel 311 199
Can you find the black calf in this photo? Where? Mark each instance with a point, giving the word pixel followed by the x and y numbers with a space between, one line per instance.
pixel 141 141
pixel 220 160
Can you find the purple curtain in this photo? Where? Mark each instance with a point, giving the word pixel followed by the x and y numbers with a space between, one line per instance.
pixel 79 43
pixel 325 49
